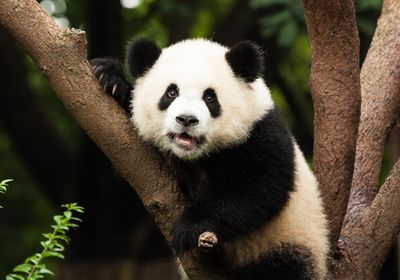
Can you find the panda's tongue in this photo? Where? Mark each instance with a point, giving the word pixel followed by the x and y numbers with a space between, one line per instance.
pixel 185 141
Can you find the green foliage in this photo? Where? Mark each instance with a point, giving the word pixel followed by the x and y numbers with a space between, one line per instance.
pixel 32 221
pixel 3 186
pixel 367 12
pixel 283 19
pixel 33 268
pixel 207 15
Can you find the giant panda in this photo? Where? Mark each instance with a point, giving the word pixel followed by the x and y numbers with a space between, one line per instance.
pixel 207 110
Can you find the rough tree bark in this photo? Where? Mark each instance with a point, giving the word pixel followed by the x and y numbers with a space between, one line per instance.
pixel 380 93
pixel 61 56
pixel 335 89
pixel 372 220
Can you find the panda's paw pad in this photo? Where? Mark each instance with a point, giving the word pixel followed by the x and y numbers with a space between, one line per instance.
pixel 110 75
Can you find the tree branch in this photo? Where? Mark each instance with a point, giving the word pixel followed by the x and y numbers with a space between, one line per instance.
pixel 365 245
pixel 335 89
pixel 373 221
pixel 61 56
pixel 380 94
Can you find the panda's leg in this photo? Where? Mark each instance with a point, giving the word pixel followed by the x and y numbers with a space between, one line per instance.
pixel 283 263
pixel 111 77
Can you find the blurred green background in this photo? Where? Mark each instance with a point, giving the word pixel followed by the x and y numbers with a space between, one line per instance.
pixel 52 161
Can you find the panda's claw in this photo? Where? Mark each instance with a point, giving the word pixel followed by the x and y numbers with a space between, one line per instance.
pixel 101 77
pixel 109 73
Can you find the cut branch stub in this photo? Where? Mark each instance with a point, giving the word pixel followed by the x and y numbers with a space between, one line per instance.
pixel 207 241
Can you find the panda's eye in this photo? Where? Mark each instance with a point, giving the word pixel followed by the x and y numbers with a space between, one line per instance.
pixel 209 96
pixel 172 93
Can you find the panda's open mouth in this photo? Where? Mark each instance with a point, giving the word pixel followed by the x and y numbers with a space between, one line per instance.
pixel 186 141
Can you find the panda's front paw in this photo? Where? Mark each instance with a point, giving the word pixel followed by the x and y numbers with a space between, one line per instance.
pixel 111 77
pixel 186 233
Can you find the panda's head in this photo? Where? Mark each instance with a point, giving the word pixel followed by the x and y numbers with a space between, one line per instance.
pixel 196 96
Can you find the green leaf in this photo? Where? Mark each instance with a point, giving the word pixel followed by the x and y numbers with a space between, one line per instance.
pixel 5 182
pixel 57 219
pixel 23 268
pixel 15 276
pixel 53 254
pixel 44 270
pixel 68 214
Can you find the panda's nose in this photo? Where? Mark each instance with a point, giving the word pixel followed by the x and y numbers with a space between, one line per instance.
pixel 187 120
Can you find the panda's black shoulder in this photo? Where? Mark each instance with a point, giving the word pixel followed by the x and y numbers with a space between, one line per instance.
pixel 267 156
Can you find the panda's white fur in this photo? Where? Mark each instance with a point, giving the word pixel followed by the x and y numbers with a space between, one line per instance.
pixel 243 104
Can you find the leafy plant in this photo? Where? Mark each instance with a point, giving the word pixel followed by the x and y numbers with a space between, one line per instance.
pixel 282 19
pixel 33 268
pixel 3 186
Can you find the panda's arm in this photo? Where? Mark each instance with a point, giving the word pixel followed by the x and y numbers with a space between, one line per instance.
pixel 234 209
pixel 109 72
pixel 228 217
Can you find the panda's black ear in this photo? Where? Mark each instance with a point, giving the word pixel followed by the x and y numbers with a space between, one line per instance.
pixel 246 60
pixel 141 54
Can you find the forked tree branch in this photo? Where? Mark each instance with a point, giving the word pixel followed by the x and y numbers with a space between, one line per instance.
pixel 380 95
pixel 372 222
pixel 373 218
pixel 366 243
pixel 335 88
pixel 61 56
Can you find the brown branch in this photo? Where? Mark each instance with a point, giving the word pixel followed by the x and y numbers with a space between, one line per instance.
pixel 335 90
pixel 380 94
pixel 373 221
pixel 366 244
pixel 61 56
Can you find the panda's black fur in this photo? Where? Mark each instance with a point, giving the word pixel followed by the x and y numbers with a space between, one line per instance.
pixel 227 191
pixel 231 192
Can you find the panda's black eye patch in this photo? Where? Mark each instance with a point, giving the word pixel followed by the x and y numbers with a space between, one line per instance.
pixel 209 95
pixel 168 97
pixel 211 100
